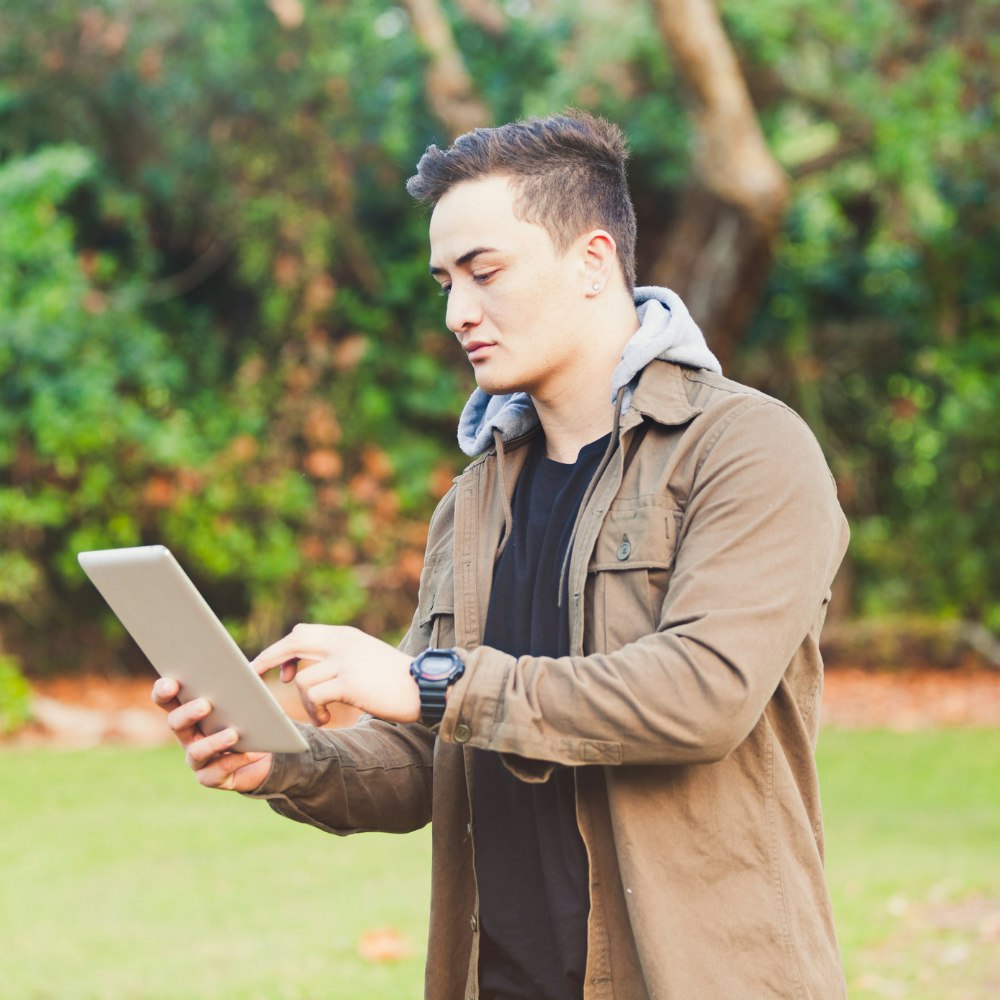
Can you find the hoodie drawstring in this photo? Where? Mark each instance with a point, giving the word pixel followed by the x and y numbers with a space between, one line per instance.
pixel 508 516
pixel 605 462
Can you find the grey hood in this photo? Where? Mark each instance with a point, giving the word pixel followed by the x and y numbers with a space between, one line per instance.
pixel 666 333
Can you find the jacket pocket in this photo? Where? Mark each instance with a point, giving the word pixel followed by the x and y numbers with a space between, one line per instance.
pixel 436 603
pixel 630 571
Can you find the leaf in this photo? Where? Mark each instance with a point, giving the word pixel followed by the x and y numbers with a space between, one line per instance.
pixel 383 944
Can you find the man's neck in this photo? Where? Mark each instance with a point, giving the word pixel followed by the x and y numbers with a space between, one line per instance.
pixel 580 410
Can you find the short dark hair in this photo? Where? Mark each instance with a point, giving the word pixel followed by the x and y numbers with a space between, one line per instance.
pixel 569 171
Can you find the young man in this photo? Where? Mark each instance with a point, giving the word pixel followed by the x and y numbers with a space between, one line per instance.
pixel 609 696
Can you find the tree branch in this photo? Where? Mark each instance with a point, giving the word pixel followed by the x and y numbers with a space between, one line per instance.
pixel 837 153
pixel 192 276
pixel 486 14
pixel 732 157
pixel 718 251
pixel 448 85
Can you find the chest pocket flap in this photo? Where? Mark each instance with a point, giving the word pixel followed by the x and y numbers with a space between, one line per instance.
pixel 629 572
pixel 636 534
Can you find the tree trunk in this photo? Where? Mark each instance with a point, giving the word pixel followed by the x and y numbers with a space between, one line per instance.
pixel 487 14
pixel 717 254
pixel 449 88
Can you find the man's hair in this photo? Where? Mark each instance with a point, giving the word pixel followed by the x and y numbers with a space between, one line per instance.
pixel 568 171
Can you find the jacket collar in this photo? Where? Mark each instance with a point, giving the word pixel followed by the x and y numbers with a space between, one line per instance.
pixel 661 395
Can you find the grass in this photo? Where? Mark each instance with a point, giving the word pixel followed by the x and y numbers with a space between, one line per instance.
pixel 120 877
pixel 913 827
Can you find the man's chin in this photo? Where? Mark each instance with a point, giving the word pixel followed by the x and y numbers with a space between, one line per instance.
pixel 495 386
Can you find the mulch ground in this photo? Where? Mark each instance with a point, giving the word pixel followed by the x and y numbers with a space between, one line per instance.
pixel 911 699
pixel 89 711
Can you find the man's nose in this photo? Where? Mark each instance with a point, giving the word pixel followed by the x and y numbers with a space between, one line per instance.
pixel 463 310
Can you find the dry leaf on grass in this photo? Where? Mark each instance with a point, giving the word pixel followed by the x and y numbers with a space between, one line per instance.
pixel 383 944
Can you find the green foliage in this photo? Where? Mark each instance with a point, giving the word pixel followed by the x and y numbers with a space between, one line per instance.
pixel 882 319
pixel 83 378
pixel 938 429
pixel 196 345
pixel 217 329
pixel 15 696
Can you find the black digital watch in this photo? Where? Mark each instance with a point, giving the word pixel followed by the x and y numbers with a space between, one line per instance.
pixel 435 670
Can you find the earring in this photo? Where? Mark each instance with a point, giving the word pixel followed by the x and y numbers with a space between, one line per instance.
pixel 596 287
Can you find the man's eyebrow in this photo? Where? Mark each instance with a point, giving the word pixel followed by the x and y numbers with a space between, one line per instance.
pixel 466 258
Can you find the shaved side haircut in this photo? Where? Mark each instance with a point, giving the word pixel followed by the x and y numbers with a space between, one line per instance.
pixel 568 171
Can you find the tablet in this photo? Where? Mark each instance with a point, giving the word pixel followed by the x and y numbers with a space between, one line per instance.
pixel 181 636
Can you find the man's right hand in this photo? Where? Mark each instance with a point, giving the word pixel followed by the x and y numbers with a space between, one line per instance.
pixel 210 757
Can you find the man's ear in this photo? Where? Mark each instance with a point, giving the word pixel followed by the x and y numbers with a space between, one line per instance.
pixel 599 260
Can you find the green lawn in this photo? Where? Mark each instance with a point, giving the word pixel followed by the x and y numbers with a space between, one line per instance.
pixel 913 860
pixel 120 877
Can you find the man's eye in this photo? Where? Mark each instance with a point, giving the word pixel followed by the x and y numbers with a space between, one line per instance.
pixel 444 290
pixel 483 277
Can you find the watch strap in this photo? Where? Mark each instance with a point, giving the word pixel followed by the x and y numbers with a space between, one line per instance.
pixel 433 699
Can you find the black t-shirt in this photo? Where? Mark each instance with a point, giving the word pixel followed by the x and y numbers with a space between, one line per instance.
pixel 531 863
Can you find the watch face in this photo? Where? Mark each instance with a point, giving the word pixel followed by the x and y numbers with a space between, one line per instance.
pixel 437 665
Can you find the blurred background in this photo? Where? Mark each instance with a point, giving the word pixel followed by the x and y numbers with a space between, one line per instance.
pixel 217 332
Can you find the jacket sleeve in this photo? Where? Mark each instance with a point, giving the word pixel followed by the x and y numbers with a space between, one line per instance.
pixel 761 539
pixel 372 776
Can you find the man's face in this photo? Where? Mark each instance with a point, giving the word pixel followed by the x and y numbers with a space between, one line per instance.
pixel 512 298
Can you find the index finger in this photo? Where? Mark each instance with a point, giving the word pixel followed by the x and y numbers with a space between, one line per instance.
pixel 303 643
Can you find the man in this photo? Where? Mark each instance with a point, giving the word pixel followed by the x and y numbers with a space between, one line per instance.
pixel 613 728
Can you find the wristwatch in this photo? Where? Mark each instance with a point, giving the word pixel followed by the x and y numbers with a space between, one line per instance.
pixel 435 670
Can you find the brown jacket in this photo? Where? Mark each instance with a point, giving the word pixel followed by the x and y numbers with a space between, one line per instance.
pixel 698 585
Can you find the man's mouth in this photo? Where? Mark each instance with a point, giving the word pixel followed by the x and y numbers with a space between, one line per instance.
pixel 477 349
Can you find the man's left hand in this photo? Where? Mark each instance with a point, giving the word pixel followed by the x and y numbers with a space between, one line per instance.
pixel 336 663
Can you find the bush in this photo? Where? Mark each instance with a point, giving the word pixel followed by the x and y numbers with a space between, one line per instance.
pixel 15 696
pixel 115 431
pixel 215 324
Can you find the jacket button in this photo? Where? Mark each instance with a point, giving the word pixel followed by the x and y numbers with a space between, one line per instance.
pixel 462 733
pixel 625 549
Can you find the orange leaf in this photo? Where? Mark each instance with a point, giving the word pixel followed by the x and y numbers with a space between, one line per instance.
pixel 350 351
pixel 243 447
pixel 383 944
pixel 376 463
pixel 160 492
pixel 410 563
pixel 320 426
pixel 341 552
pixel 323 463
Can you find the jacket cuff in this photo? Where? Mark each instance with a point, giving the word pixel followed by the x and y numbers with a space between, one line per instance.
pixel 473 708
pixel 289 769
pixel 480 710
